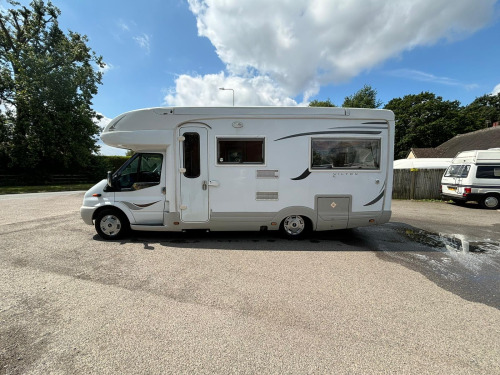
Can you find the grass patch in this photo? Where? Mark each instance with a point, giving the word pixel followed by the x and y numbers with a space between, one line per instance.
pixel 43 189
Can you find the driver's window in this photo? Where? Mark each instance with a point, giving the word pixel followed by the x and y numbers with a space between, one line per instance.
pixel 128 175
pixel 142 172
pixel 150 168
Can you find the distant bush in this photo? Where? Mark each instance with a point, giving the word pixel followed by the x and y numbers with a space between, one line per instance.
pixel 97 169
pixel 101 164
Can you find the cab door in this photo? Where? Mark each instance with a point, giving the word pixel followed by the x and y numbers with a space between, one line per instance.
pixel 194 206
pixel 140 186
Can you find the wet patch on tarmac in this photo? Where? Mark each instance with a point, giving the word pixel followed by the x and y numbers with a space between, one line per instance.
pixel 465 266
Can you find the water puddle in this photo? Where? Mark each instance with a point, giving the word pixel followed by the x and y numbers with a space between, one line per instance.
pixel 466 266
pixel 451 242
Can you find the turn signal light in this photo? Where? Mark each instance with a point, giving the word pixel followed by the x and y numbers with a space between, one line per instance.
pixel 96 195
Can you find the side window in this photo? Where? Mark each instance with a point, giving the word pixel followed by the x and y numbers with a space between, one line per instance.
pixel 150 170
pixel 330 153
pixel 488 171
pixel 143 171
pixel 192 155
pixel 240 150
pixel 128 175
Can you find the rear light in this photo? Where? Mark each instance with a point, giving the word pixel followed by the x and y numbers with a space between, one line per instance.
pixel 467 191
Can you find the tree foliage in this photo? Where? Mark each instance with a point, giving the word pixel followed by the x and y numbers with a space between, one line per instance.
pixel 366 97
pixel 482 112
pixel 47 81
pixel 321 103
pixel 423 120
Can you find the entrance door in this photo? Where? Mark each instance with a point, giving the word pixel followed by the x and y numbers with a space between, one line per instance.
pixel 194 174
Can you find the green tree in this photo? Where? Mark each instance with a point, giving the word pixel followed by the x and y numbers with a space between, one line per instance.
pixel 48 79
pixel 321 103
pixel 482 112
pixel 424 120
pixel 364 98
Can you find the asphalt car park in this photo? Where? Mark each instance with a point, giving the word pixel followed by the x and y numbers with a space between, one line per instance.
pixel 416 295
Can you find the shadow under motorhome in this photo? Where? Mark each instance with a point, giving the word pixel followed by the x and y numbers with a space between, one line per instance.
pixel 293 169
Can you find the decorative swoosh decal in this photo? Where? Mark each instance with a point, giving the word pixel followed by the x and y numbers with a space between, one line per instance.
pixel 135 206
pixel 306 173
pixel 380 196
pixel 375 200
pixel 330 132
pixel 364 127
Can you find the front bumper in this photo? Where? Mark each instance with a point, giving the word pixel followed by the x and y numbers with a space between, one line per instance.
pixel 87 214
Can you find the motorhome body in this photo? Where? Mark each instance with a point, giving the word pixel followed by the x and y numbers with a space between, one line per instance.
pixel 246 168
pixel 474 176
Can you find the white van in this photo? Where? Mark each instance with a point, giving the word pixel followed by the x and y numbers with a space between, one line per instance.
pixel 474 176
pixel 249 168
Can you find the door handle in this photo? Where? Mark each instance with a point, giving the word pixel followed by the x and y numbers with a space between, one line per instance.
pixel 205 185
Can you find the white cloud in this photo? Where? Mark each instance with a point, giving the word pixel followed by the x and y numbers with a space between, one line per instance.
pixel 204 91
pixel 496 90
pixel 143 41
pixel 298 45
pixel 122 25
pixel 107 67
pixel 427 77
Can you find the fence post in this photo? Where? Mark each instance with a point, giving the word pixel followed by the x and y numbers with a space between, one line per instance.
pixel 413 173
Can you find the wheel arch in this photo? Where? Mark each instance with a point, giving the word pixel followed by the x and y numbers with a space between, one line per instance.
pixel 489 194
pixel 113 207
pixel 307 213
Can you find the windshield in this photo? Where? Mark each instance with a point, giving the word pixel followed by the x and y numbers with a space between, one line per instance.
pixel 460 171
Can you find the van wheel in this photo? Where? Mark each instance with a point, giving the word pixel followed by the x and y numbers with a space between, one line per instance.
pixel 294 226
pixel 490 201
pixel 111 224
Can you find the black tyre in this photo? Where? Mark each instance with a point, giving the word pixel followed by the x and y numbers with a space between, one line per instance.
pixel 111 224
pixel 490 202
pixel 295 226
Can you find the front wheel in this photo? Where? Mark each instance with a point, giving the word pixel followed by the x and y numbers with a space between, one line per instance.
pixel 111 224
pixel 490 201
pixel 294 226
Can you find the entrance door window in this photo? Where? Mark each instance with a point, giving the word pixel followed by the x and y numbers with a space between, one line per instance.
pixel 192 155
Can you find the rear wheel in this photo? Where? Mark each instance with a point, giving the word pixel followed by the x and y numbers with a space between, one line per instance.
pixel 490 201
pixel 294 226
pixel 111 224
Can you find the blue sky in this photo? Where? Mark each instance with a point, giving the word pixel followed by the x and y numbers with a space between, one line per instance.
pixel 285 52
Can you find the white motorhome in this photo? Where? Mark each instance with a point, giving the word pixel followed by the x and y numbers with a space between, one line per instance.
pixel 246 168
pixel 474 176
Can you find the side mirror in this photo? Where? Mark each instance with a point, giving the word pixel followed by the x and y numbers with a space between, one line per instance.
pixel 110 179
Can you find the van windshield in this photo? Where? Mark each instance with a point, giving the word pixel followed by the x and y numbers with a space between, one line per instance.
pixel 461 171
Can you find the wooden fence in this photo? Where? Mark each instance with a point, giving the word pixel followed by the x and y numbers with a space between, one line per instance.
pixel 417 183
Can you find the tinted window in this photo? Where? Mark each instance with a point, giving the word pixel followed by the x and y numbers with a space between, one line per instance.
pixel 488 171
pixel 328 153
pixel 460 171
pixel 192 155
pixel 240 151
